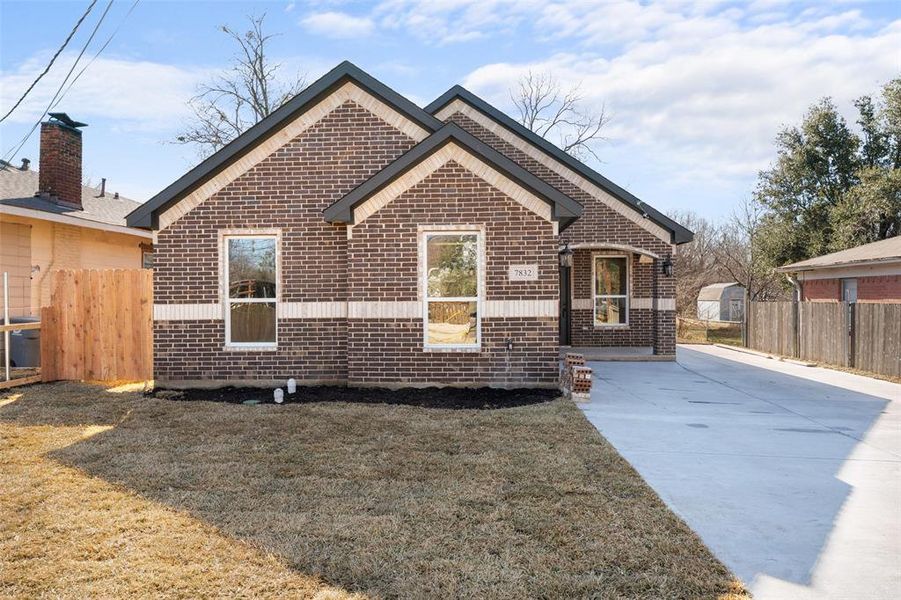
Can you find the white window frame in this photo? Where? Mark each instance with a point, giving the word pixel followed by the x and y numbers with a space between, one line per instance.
pixel 425 232
pixel 594 290
pixel 228 301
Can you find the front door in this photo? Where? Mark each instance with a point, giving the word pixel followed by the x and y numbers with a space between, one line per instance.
pixel 565 305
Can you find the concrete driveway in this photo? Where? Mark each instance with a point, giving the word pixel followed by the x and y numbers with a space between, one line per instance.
pixel 790 474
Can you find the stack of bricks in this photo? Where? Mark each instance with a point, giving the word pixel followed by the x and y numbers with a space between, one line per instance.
pixel 581 383
pixel 571 362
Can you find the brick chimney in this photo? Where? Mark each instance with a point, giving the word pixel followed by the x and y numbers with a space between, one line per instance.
pixel 59 176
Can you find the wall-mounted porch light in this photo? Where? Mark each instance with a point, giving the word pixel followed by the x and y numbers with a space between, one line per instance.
pixel 667 266
pixel 566 256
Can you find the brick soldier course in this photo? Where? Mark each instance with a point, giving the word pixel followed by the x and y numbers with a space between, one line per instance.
pixel 350 179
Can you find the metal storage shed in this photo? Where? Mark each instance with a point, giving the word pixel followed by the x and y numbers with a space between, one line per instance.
pixel 721 302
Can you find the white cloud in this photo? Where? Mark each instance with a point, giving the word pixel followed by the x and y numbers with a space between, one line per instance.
pixel 703 96
pixel 140 95
pixel 454 21
pixel 337 25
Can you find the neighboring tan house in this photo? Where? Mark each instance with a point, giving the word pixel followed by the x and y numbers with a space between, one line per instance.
pixel 49 220
pixel 868 273
pixel 722 302
pixel 352 237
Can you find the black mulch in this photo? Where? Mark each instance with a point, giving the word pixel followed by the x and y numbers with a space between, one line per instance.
pixel 432 397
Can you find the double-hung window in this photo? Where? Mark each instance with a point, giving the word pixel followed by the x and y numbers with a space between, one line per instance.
pixel 251 290
pixel 611 290
pixel 452 289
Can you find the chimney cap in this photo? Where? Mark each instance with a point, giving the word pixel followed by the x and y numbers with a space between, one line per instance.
pixel 64 119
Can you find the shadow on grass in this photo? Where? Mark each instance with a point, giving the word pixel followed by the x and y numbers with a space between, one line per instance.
pixel 396 501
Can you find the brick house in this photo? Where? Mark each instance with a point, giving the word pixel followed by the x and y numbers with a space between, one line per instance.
pixel 867 273
pixel 353 237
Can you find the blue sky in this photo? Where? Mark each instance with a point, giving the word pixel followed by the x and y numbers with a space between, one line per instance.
pixel 696 90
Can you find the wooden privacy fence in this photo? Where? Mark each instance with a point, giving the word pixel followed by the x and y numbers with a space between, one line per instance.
pixel 824 332
pixel 771 327
pixel 863 335
pixel 99 326
pixel 877 338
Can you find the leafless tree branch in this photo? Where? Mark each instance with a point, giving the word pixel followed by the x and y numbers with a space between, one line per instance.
pixel 557 115
pixel 247 93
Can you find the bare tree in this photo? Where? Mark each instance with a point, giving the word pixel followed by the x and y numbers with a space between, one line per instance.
pixel 248 92
pixel 546 109
pixel 695 261
pixel 738 254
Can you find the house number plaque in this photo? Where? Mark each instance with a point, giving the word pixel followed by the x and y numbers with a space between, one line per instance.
pixel 523 272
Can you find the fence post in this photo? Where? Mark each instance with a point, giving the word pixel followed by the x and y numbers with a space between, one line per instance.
pixel 746 322
pixel 852 334
pixel 796 329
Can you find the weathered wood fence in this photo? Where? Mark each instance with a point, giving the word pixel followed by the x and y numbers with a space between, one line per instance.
pixel 99 326
pixel 863 335
pixel 771 327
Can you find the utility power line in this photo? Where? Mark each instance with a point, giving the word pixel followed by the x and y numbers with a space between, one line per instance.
pixel 102 48
pixel 9 158
pixel 52 60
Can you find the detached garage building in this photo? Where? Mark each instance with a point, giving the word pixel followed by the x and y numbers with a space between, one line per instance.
pixel 868 273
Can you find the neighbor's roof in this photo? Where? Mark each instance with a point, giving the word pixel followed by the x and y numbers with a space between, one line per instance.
pixel 17 188
pixel 564 209
pixel 680 234
pixel 883 251
pixel 714 291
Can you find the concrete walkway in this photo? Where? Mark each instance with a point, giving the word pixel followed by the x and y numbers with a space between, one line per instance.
pixel 790 474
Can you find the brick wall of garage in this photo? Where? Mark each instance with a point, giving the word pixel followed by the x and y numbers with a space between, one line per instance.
pixel 879 288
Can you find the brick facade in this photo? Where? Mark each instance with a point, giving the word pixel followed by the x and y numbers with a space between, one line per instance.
pixel 600 224
pixel 60 168
pixel 288 191
pixel 384 266
pixel 337 269
pixel 878 288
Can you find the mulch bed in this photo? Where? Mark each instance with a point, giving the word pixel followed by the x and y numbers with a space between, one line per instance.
pixel 430 397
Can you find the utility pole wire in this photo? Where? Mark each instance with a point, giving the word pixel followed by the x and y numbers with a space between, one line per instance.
pixel 12 156
pixel 102 48
pixel 52 60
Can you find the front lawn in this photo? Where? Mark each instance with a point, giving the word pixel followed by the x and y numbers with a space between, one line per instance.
pixel 114 495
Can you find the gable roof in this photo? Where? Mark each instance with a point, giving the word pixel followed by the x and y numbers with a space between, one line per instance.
pixel 883 251
pixel 18 188
pixel 564 209
pixel 680 234
pixel 714 291
pixel 146 215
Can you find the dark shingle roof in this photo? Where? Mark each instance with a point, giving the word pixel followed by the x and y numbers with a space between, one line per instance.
pixel 565 209
pixel 680 234
pixel 17 188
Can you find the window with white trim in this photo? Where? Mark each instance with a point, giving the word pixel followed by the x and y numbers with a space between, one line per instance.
pixel 251 289
pixel 452 287
pixel 611 290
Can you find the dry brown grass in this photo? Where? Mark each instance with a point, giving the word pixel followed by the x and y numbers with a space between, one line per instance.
pixel 114 495
pixel 694 331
